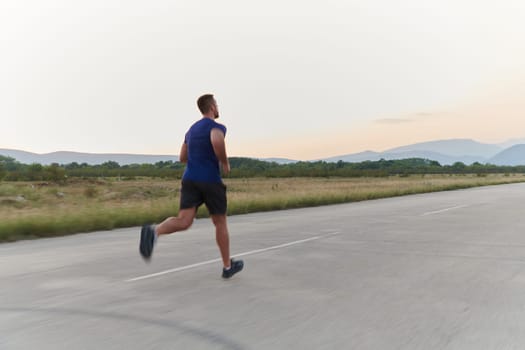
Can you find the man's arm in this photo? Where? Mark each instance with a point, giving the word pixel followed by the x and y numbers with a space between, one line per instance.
pixel 219 147
pixel 183 155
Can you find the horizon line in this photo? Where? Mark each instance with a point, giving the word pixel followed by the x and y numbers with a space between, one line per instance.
pixel 261 157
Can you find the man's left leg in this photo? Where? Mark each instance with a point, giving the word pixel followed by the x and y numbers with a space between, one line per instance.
pixel 231 267
pixel 222 237
pixel 217 204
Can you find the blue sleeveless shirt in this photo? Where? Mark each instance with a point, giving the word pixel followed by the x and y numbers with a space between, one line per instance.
pixel 203 165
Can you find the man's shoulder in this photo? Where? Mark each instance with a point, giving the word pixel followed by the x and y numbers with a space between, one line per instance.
pixel 198 125
pixel 206 124
pixel 201 121
pixel 219 126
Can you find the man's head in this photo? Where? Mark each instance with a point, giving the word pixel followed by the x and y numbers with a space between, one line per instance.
pixel 208 106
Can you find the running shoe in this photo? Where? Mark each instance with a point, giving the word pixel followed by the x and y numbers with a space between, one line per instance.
pixel 235 266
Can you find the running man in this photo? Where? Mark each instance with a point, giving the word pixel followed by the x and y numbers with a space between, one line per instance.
pixel 203 151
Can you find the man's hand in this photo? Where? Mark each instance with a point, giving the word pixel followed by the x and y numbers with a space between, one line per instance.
pixel 226 168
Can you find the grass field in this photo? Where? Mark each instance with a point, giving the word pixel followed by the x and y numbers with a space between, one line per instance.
pixel 33 209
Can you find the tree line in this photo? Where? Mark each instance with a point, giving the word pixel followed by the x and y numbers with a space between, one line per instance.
pixel 12 170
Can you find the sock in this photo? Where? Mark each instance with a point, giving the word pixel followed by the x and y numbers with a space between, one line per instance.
pixel 227 268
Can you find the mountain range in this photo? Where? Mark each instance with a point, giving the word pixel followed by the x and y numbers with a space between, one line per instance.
pixel 89 158
pixel 446 152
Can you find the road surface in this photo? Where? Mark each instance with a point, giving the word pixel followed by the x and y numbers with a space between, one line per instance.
pixel 432 271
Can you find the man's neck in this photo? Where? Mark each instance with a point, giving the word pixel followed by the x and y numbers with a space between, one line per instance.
pixel 208 116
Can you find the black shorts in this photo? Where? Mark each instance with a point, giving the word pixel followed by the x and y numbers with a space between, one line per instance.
pixel 213 195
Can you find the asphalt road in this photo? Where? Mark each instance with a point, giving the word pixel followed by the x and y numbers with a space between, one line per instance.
pixel 433 271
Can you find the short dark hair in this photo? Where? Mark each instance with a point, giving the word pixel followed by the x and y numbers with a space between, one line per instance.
pixel 205 102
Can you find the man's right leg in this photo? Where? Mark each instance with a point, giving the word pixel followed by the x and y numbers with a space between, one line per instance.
pixel 149 233
pixel 182 222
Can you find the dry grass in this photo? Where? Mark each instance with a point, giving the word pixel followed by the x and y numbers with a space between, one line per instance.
pixel 250 195
pixel 44 209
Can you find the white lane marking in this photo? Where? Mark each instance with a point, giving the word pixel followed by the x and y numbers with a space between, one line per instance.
pixel 251 252
pixel 444 210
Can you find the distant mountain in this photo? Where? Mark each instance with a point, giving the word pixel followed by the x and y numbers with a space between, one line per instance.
pixel 278 160
pixel 99 158
pixel 21 156
pixel 446 152
pixel 443 159
pixel 375 156
pixel 355 157
pixel 514 155
pixel 89 158
pixel 454 148
pixel 512 142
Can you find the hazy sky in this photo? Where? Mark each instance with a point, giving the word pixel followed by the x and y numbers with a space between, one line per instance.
pixel 298 79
